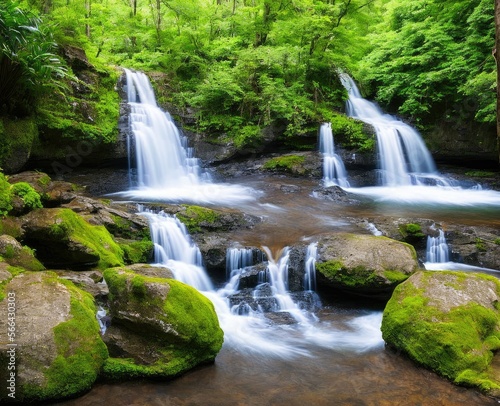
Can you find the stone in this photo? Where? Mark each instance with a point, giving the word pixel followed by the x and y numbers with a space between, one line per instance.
pixel 448 322
pixel 363 264
pixel 64 240
pixel 59 351
pixel 178 323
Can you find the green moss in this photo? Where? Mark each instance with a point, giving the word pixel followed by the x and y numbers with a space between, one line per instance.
pixel 395 276
pixel 124 228
pixel 137 251
pixel 353 278
pixel 458 344
pixel 31 198
pixel 480 174
pixel 25 259
pixel 81 351
pixel 15 135
pixel 496 241
pixel 480 246
pixel 97 238
pixel 287 163
pixel 197 217
pixel 5 196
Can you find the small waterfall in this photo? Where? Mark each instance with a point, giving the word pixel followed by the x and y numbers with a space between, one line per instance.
pixel 437 249
pixel 238 258
pixel 173 248
pixel 403 157
pixel 166 167
pixel 334 172
pixel 156 135
pixel 310 267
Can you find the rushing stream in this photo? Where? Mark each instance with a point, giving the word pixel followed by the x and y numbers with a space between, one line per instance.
pixel 332 354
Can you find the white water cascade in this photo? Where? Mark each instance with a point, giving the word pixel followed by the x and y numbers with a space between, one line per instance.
pixel 437 248
pixel 251 332
pixel 166 167
pixel 403 157
pixel 334 172
pixel 310 267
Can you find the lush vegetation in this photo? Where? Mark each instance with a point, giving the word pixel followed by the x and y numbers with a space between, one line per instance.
pixel 233 69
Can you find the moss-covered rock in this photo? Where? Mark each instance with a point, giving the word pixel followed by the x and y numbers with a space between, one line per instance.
pixel 161 327
pixel 364 264
pixel 59 350
pixel 63 239
pixel 12 252
pixel 448 322
pixel 300 164
pixel 17 137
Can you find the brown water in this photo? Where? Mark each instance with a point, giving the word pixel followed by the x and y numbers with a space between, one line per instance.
pixel 329 376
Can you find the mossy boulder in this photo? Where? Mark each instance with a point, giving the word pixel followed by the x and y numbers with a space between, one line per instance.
pixel 161 327
pixel 448 322
pixel 364 264
pixel 59 350
pixel 12 252
pixel 17 137
pixel 300 164
pixel 63 239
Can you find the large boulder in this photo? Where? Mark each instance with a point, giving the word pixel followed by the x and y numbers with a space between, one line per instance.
pixel 161 327
pixel 64 240
pixel 364 264
pixel 448 322
pixel 58 350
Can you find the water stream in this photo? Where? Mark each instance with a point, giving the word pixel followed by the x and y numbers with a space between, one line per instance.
pixel 332 355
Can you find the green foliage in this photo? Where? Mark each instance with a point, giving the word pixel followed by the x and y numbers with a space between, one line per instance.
pixel 30 196
pixel 29 64
pixel 16 135
pixel 431 57
pixel 5 196
pixel 137 251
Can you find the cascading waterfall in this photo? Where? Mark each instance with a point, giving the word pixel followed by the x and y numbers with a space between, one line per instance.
pixel 334 172
pixel 166 167
pixel 437 248
pixel 251 332
pixel 156 135
pixel 310 267
pixel 403 157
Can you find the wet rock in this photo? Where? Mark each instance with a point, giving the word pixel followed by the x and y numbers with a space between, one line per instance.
pixel 59 351
pixel 363 264
pixel 178 322
pixel 78 244
pixel 448 322
pixel 335 194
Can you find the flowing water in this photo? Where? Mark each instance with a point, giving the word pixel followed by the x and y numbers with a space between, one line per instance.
pixel 334 172
pixel 333 355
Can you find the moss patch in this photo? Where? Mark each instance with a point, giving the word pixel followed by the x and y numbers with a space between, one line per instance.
pixel 196 217
pixel 135 252
pixel 353 278
pixel 287 163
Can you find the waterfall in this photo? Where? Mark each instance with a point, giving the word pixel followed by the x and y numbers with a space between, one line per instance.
pixel 403 157
pixel 166 167
pixel 437 248
pixel 156 135
pixel 310 267
pixel 334 172
pixel 238 258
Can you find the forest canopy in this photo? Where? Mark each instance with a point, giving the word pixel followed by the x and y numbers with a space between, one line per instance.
pixel 243 65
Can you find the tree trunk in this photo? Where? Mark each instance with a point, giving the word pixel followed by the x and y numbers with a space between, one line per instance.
pixel 496 54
